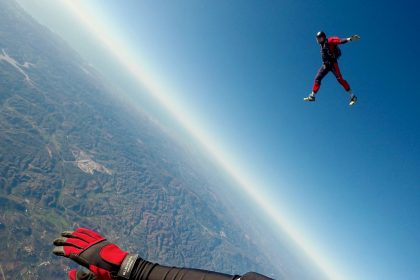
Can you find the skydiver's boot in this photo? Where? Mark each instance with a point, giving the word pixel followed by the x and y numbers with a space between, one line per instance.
pixel 310 97
pixel 353 98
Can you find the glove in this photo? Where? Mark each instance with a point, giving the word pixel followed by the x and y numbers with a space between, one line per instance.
pixel 106 261
pixel 74 274
pixel 354 38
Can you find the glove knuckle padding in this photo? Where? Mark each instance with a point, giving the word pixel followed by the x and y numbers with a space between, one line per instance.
pixel 85 237
pixel 89 232
pixel 78 243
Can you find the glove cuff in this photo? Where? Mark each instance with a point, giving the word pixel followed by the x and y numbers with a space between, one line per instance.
pixel 127 266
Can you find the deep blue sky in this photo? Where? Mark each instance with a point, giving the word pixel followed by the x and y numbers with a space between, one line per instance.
pixel 349 177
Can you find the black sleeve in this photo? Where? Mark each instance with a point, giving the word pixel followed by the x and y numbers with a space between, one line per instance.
pixel 144 270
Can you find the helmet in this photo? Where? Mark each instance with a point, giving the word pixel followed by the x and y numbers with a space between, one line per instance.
pixel 321 34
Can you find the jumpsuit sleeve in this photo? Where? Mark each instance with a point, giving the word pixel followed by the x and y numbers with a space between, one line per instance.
pixel 145 270
pixel 336 41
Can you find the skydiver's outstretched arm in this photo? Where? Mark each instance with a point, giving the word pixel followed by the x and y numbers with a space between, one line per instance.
pixel 338 41
pixel 106 261
pixel 158 272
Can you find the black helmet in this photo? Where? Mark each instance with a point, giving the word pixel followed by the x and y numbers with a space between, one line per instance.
pixel 321 34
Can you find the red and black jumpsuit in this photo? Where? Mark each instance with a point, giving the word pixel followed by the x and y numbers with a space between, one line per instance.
pixel 330 63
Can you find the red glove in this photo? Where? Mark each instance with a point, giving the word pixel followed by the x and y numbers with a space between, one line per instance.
pixel 105 260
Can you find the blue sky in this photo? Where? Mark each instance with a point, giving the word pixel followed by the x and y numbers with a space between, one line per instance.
pixel 348 177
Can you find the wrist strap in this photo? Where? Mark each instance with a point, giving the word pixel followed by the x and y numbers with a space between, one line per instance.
pixel 127 266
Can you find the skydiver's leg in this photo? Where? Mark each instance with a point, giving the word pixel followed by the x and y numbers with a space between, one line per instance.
pixel 336 70
pixel 337 73
pixel 322 72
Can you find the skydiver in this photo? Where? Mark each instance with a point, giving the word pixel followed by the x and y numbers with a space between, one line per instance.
pixel 106 261
pixel 330 52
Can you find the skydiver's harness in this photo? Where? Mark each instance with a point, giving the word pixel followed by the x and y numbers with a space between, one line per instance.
pixel 330 55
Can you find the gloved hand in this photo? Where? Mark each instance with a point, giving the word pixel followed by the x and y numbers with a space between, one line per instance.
pixel 106 261
pixel 75 274
pixel 354 38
